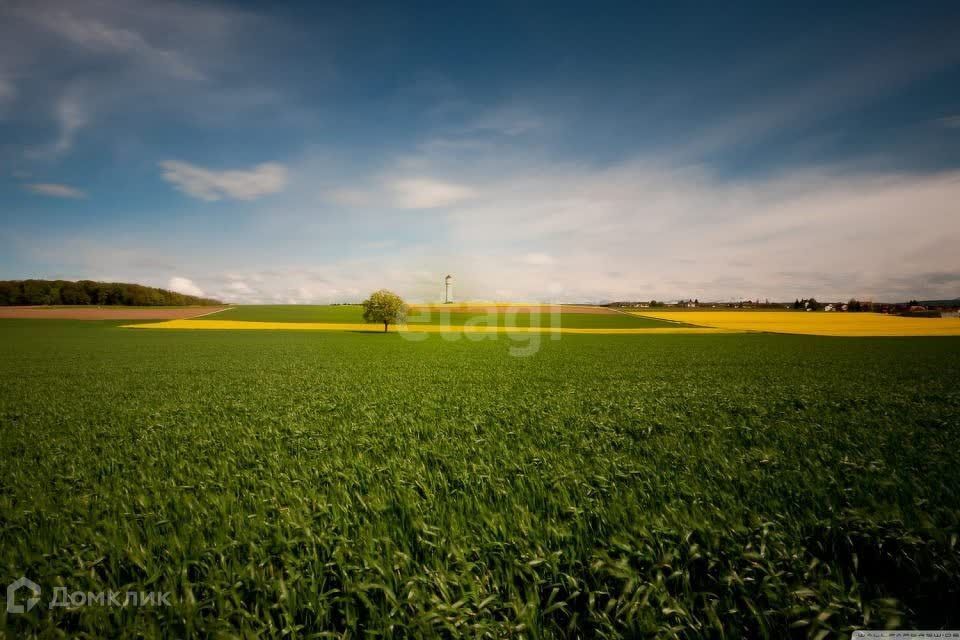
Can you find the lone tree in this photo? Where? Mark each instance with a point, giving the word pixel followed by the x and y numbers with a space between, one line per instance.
pixel 386 307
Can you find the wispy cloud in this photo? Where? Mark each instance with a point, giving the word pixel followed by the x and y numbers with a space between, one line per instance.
pixel 428 193
pixel 237 184
pixel 856 76
pixel 421 192
pixel 72 111
pixel 510 120
pixel 71 116
pixel 99 36
pixel 55 190
pixel 87 60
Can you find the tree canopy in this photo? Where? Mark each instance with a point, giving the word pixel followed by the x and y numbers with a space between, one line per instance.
pixel 88 292
pixel 386 307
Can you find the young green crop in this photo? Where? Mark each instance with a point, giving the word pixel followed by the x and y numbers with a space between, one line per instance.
pixel 282 483
pixel 499 317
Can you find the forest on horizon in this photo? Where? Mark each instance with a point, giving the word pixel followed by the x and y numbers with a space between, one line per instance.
pixel 89 292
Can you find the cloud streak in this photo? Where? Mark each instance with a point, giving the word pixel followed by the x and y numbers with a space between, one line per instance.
pixel 82 61
pixel 55 190
pixel 71 116
pixel 98 36
pixel 237 184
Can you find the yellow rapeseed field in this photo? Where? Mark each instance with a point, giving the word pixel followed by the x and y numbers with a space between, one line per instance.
pixel 819 323
pixel 417 328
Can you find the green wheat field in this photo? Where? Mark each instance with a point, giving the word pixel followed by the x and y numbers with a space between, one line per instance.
pixel 326 485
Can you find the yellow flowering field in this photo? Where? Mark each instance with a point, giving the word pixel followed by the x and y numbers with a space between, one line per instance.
pixel 814 323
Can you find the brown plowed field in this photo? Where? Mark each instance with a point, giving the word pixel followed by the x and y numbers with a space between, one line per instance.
pixel 106 313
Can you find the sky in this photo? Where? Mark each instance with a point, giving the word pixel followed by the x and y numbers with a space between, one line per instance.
pixel 314 152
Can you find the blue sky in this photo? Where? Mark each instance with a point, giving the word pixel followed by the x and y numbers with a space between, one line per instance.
pixel 312 152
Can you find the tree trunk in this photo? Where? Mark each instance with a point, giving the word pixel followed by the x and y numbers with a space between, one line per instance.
pixel 385 327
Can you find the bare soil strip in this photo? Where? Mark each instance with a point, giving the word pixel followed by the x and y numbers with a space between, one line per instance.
pixel 107 313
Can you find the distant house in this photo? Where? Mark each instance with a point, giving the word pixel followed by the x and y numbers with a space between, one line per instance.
pixel 829 307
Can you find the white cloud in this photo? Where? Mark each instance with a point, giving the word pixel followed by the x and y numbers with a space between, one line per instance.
pixel 539 259
pixel 210 185
pixel 580 233
pixel 634 230
pixel 241 287
pixel 428 193
pixel 639 230
pixel 185 286
pixel 55 190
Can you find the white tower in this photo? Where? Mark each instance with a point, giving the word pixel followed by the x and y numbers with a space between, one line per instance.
pixel 448 290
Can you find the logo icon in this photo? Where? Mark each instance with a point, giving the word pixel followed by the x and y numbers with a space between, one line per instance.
pixel 16 585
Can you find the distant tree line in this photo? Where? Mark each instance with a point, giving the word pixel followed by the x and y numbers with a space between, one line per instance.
pixel 851 305
pixel 88 292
